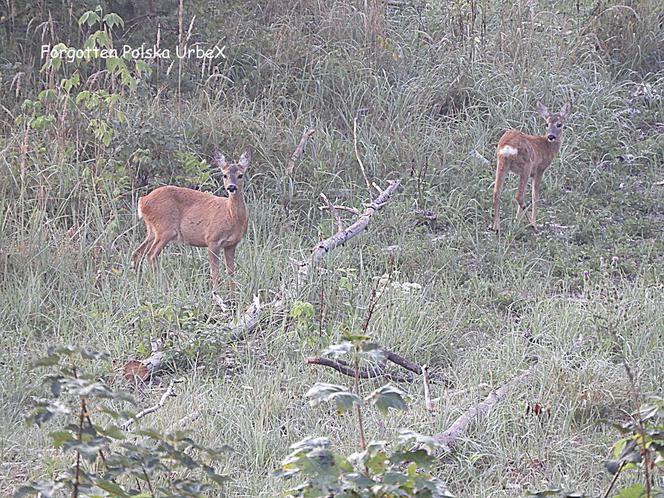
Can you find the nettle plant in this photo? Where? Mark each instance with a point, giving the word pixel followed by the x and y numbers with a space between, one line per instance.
pixel 397 468
pixel 107 460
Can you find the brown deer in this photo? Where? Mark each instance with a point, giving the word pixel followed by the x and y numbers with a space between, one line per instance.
pixel 197 218
pixel 528 156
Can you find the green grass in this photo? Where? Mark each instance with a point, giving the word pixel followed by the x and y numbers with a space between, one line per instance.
pixel 487 302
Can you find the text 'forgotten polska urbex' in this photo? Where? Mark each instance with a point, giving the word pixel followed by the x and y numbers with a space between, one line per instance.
pixel 70 54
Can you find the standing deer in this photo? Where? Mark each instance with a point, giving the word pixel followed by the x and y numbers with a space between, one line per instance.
pixel 528 156
pixel 197 218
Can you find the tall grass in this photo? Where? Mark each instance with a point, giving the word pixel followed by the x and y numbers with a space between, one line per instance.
pixel 427 83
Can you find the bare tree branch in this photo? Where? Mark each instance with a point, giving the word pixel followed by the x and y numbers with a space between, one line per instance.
pixel 162 401
pixel 449 438
pixel 348 233
pixel 346 369
pixel 308 133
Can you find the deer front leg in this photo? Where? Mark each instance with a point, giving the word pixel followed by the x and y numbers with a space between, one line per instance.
pixel 537 182
pixel 213 255
pixel 501 171
pixel 229 258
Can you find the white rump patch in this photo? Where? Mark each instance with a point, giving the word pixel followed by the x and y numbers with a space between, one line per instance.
pixel 508 150
pixel 140 212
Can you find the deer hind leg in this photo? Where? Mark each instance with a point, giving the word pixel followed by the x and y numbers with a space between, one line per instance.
pixel 537 182
pixel 501 172
pixel 159 243
pixel 140 251
pixel 523 181
pixel 229 257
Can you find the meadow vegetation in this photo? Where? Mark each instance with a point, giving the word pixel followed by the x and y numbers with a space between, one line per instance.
pixel 419 91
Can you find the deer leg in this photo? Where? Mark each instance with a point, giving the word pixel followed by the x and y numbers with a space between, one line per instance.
pixel 229 257
pixel 140 251
pixel 537 182
pixel 213 255
pixel 157 246
pixel 501 171
pixel 520 191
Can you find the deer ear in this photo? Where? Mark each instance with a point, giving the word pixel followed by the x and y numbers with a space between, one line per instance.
pixel 566 110
pixel 245 158
pixel 219 159
pixel 543 111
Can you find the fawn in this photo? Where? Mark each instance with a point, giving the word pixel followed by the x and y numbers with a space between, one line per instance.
pixel 197 218
pixel 528 156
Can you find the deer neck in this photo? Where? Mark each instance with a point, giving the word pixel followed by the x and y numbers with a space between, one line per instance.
pixel 236 206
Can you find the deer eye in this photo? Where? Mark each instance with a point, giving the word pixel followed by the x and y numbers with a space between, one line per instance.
pixel 225 175
pixel 240 176
pixel 559 125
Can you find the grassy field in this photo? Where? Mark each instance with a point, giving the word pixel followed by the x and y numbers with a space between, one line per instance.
pixel 426 90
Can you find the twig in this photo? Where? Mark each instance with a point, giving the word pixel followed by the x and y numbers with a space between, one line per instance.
pixel 614 480
pixel 428 404
pixel 356 212
pixel 169 392
pixel 333 210
pixel 348 233
pixel 357 155
pixel 308 133
pixel 461 424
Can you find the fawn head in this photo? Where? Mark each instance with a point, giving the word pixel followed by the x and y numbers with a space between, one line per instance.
pixel 554 121
pixel 233 173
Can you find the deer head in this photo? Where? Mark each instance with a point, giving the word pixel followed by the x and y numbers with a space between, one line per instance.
pixel 233 174
pixel 554 121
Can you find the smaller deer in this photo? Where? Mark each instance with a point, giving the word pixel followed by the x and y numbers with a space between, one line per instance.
pixel 528 156
pixel 197 218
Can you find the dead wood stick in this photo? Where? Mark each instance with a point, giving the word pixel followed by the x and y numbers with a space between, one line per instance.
pixel 308 133
pixel 333 211
pixel 402 362
pixel 448 438
pixel 343 236
pixel 162 401
pixel 345 369
pixel 352 210
pixel 428 404
pixel 246 324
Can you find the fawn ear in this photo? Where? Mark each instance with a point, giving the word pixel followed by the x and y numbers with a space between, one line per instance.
pixel 566 110
pixel 219 159
pixel 543 111
pixel 245 158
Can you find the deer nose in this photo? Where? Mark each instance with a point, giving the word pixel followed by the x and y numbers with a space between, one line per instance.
pixel 231 188
pixel 551 138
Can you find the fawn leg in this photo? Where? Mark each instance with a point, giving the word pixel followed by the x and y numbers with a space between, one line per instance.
pixel 523 181
pixel 537 182
pixel 501 172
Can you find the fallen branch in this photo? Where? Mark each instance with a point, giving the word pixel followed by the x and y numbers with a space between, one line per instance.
pixel 343 367
pixel 346 369
pixel 308 133
pixel 162 401
pixel 240 328
pixel 343 236
pixel 449 438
